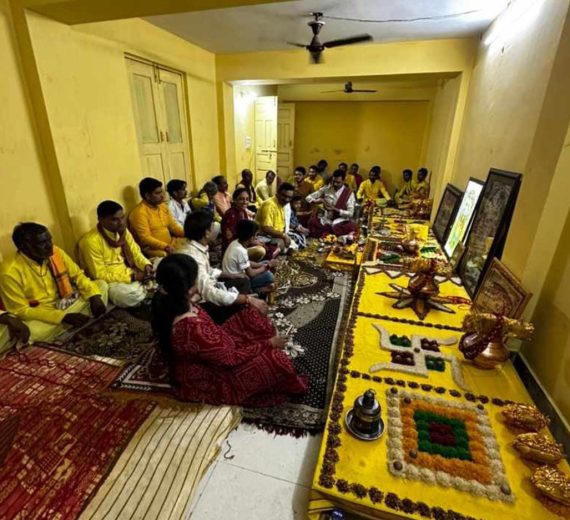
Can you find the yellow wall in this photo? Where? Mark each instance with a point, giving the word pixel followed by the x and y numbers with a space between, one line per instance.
pixel 388 133
pixel 88 98
pixel 25 189
pixel 549 352
pixel 439 147
pixel 505 104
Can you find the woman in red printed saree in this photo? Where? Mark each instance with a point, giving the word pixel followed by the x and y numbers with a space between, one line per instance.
pixel 238 363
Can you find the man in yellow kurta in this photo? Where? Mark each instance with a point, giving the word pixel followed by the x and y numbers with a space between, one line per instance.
pixel 373 188
pixel 314 178
pixel 110 253
pixel 271 217
pixel 420 189
pixel 402 195
pixel 45 288
pixel 151 222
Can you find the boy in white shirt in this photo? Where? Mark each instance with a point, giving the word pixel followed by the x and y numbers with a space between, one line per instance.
pixel 177 203
pixel 236 259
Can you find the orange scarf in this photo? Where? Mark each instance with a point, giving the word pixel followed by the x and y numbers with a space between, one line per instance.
pixel 60 275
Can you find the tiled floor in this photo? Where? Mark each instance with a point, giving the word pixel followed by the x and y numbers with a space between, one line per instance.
pixel 268 478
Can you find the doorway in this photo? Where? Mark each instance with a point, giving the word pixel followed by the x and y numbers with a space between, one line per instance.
pixel 158 95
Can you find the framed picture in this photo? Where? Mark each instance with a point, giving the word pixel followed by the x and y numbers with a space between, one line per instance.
pixel 486 238
pixel 463 218
pixel 501 292
pixel 446 212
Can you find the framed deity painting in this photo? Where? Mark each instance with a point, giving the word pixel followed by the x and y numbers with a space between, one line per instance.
pixel 491 221
pixel 501 292
pixel 446 212
pixel 464 216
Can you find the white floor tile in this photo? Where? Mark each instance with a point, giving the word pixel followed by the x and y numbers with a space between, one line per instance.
pixel 279 456
pixel 237 494
pixel 201 488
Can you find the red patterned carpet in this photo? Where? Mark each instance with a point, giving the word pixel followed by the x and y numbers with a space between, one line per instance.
pixel 68 436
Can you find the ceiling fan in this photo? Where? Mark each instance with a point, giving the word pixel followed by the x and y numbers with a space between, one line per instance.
pixel 316 48
pixel 348 89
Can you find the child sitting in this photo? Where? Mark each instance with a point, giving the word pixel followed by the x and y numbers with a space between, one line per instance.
pixel 295 230
pixel 236 259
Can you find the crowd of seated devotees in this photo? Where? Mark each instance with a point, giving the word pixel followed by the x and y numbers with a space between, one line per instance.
pixel 210 322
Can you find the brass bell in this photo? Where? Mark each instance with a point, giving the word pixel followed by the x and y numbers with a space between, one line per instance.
pixel 364 420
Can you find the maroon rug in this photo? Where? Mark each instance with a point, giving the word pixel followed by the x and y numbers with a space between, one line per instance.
pixel 67 436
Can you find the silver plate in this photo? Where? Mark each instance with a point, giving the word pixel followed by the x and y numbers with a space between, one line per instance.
pixel 363 436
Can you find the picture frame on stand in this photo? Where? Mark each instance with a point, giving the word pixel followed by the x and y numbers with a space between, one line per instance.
pixel 463 219
pixel 501 292
pixel 491 221
pixel 445 216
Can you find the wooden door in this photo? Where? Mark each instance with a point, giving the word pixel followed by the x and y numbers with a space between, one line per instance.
pixel 265 135
pixel 285 140
pixel 160 119
pixel 146 106
pixel 175 134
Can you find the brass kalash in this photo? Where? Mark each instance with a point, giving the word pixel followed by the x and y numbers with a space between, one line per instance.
pixel 485 335
pixel 364 419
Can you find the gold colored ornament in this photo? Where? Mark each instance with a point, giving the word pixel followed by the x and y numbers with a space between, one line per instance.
pixel 485 336
pixel 525 416
pixel 552 483
pixel 539 448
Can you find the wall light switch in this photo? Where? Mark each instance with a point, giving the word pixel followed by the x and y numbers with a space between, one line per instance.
pixel 247 142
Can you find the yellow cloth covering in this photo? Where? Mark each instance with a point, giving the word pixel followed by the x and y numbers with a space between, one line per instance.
pixel 371 302
pixel 158 473
pixel 23 281
pixel 271 214
pixel 365 463
pixel 105 262
pixel 154 228
pixel 372 190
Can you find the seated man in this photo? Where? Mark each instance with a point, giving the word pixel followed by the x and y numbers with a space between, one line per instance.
pixel 221 300
pixel 13 331
pixel 373 188
pixel 205 200
pixel 152 224
pixel 314 178
pixel 247 184
pixel 302 187
pixel 354 172
pixel 222 199
pixel 402 196
pixel 110 253
pixel 237 261
pixel 265 188
pixel 45 288
pixel 421 187
pixel 177 204
pixel 272 219
pixel 323 166
pixel 338 208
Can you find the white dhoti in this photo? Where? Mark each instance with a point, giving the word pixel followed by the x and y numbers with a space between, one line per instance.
pixel 126 295
pixel 43 331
